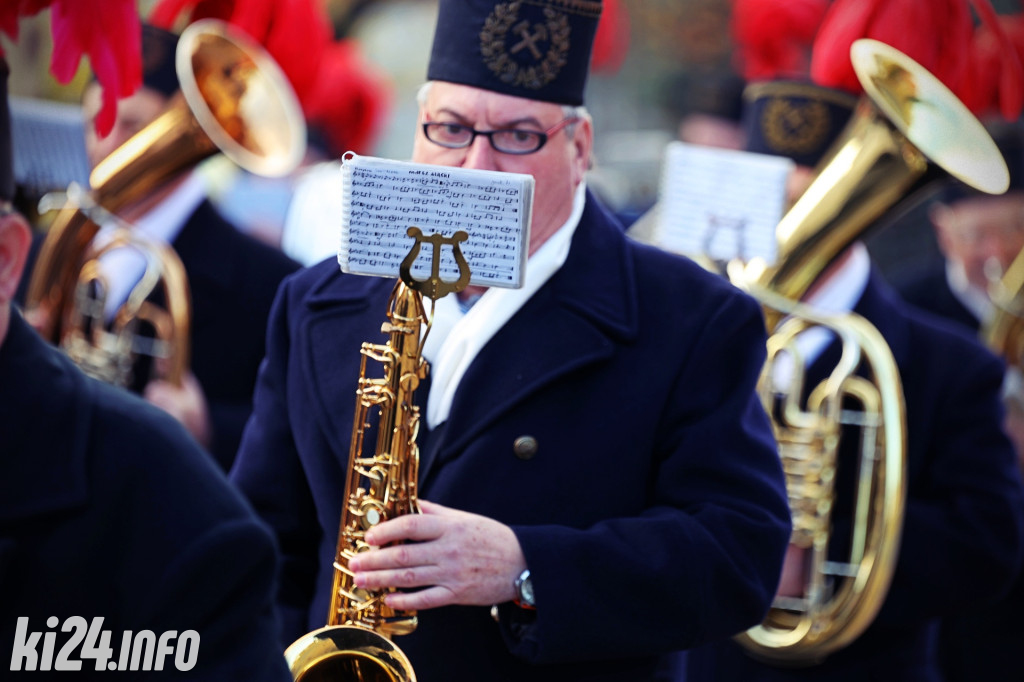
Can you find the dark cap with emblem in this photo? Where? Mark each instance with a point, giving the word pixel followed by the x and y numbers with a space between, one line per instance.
pixel 796 119
pixel 158 72
pixel 158 56
pixel 537 49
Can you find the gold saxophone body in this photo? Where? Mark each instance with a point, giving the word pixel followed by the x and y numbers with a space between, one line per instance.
pixel 233 99
pixel 355 645
pixel 907 132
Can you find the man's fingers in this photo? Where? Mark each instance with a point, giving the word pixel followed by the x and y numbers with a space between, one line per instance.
pixel 430 598
pixel 417 527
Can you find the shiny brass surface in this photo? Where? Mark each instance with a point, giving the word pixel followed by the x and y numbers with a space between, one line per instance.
pixel 233 99
pixel 908 132
pixel 379 485
pixel 108 351
pixel 861 398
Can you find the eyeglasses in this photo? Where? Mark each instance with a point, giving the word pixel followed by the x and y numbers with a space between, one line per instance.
pixel 507 141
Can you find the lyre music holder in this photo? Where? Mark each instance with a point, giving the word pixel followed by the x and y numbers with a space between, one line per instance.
pixel 434 287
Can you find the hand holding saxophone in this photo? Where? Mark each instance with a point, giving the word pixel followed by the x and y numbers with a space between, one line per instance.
pixel 457 557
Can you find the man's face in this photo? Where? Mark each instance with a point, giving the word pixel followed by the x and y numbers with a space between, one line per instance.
pixel 981 232
pixel 133 114
pixel 558 167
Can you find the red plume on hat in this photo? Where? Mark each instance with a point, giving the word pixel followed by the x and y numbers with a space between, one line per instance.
pixel 773 37
pixel 341 94
pixel 940 35
pixel 107 31
pixel 611 41
pixel 995 76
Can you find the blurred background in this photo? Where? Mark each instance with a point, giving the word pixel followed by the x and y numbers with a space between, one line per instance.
pixel 657 62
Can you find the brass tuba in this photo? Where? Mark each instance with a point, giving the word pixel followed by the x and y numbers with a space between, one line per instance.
pixel 234 99
pixel 908 132
pixel 355 644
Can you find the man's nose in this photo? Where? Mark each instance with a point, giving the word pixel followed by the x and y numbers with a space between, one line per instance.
pixel 480 154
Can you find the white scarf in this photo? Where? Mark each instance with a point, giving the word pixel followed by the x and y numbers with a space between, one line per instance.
pixel 124 267
pixel 839 294
pixel 456 338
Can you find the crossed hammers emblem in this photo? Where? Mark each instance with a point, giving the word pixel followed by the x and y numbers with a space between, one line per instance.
pixel 529 40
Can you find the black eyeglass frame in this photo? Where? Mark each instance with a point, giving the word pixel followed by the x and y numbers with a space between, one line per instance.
pixel 542 137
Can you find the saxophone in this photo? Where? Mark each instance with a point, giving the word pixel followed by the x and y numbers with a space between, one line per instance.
pixel 355 644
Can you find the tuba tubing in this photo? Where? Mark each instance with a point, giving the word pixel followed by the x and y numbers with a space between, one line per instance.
pixel 907 133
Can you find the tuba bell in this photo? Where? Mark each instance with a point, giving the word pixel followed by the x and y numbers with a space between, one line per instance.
pixel 233 99
pixel 908 133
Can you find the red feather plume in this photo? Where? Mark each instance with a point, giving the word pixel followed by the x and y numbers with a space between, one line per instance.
pixel 773 37
pixel 340 93
pixel 108 32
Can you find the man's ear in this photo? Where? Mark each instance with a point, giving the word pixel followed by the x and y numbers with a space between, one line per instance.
pixel 15 239
pixel 583 143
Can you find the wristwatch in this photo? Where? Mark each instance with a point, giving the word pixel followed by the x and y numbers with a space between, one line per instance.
pixel 524 590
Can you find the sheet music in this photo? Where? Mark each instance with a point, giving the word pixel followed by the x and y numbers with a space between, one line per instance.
pixel 383 198
pixel 721 203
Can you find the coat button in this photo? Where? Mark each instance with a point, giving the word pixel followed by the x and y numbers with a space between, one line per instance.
pixel 525 447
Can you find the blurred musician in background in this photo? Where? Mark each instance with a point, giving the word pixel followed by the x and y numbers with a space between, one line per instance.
pixel 962 538
pixel 979 236
pixel 232 275
pixel 115 517
pixel 603 544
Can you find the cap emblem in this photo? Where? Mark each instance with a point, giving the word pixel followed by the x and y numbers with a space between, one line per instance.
pixel 521 53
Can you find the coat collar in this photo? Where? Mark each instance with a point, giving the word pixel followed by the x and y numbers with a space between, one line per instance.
pixel 576 318
pixel 45 412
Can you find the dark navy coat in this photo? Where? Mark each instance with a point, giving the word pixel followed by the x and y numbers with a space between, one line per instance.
pixel 985 641
pixel 233 278
pixel 963 532
pixel 109 509
pixel 653 514
pixel 927 288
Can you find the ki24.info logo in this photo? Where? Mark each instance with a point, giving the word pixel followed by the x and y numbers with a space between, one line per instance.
pixel 89 643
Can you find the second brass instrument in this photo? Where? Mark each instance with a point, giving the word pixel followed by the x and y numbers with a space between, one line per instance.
pixel 235 100
pixel 908 132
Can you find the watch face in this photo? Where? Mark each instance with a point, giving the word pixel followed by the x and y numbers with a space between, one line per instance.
pixel 526 590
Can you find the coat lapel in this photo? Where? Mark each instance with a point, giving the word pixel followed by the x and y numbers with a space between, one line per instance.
pixel 576 319
pixel 343 315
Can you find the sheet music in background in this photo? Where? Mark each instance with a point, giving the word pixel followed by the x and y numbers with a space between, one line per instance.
pixel 721 203
pixel 383 198
pixel 49 144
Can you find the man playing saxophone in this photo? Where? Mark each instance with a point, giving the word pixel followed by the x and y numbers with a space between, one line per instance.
pixel 601 544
